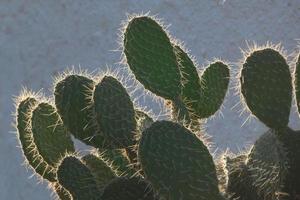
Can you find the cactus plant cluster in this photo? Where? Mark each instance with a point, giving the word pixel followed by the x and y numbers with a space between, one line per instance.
pixel 137 158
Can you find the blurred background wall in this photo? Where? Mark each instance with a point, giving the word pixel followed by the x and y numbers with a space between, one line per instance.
pixel 39 39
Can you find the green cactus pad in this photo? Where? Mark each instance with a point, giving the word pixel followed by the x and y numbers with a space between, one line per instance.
pixel 74 104
pixel 33 158
pixel 239 184
pixel 114 112
pixel 151 58
pixel 100 170
pixel 49 135
pixel 118 162
pixel 177 163
pixel 214 84
pixel 268 166
pixel 266 85
pixel 128 189
pixel 297 83
pixel 73 175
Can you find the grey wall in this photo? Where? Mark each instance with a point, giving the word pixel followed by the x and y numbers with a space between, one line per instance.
pixel 39 39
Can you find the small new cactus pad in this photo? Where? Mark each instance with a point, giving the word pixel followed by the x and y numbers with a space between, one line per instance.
pixel 266 85
pixel 126 188
pixel 151 58
pixel 75 108
pixel 50 136
pixel 32 156
pixel 297 83
pixel 114 112
pixel 73 175
pixel 177 163
pixel 100 170
pixel 214 83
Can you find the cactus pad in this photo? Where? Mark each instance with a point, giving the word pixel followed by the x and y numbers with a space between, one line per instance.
pixel 114 112
pixel 49 134
pixel 100 170
pixel 177 163
pixel 239 184
pixel 118 161
pixel 73 175
pixel 268 166
pixel 214 83
pixel 151 58
pixel 266 85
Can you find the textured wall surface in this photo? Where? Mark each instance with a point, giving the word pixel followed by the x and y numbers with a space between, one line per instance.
pixel 39 38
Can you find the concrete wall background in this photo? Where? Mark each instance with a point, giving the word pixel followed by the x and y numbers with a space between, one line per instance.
pixel 38 39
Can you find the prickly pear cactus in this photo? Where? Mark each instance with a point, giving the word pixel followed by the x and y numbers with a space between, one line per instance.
pixel 167 71
pixel 134 157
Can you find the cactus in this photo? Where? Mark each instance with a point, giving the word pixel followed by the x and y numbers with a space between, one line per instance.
pixel 135 157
